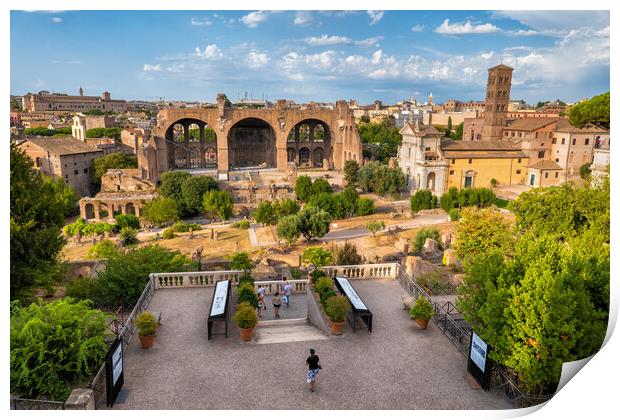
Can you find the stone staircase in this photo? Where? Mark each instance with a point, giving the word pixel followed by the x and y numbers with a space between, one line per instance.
pixel 286 331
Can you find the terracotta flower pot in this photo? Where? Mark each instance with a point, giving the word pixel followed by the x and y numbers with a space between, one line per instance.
pixel 336 327
pixel 422 323
pixel 147 341
pixel 246 333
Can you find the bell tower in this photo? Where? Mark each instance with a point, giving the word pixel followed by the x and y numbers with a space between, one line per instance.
pixel 496 102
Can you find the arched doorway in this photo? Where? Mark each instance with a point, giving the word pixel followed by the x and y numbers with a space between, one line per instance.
pixel 252 143
pixel 89 211
pixel 104 212
pixel 191 144
pixel 304 156
pixel 130 208
pixel 430 181
pixel 317 157
pixel 291 154
pixel 408 177
pixel 314 136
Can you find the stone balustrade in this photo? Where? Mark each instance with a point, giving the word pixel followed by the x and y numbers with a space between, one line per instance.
pixel 271 287
pixel 194 279
pixel 364 271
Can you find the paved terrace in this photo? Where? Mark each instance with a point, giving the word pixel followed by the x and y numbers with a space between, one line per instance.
pixel 395 367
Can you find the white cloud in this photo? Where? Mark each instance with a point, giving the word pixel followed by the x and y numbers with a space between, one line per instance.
pixel 376 56
pixel 487 56
pixel 465 28
pixel 557 20
pixel 56 19
pixel 327 40
pixel 375 16
pixel 176 68
pixel 257 59
pixel 152 67
pixel 417 28
pixel 211 52
pixel 253 19
pixel 201 22
pixel 303 18
pixel 369 42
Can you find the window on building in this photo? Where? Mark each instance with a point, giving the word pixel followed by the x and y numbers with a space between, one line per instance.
pixel 453 160
pixel 556 174
pixel 574 142
pixel 554 141
pixel 536 135
pixel 451 172
pixel 427 149
pixel 541 154
pixel 557 160
pixel 85 170
pixel 518 160
pixel 469 161
pixel 563 140
pixel 542 144
pixel 546 174
pixel 587 142
pixel 37 162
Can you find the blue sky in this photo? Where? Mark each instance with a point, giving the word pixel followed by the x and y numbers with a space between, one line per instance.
pixel 320 56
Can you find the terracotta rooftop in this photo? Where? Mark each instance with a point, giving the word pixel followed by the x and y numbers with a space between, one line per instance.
pixel 484 154
pixel 565 127
pixel 545 165
pixel 61 145
pixel 501 67
pixel 531 124
pixel 424 130
pixel 478 145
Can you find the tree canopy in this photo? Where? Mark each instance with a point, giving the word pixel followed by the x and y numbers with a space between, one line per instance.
pixel 381 179
pixel 116 160
pixel 387 139
pixel 161 211
pixel 111 132
pixel 593 111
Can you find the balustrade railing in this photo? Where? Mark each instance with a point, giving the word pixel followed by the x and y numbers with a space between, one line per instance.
pixel 271 287
pixel 29 404
pixel 364 271
pixel 194 279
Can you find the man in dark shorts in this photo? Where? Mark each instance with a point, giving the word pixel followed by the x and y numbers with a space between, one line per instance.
pixel 313 369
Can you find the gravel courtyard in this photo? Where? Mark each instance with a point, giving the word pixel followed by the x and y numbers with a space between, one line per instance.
pixel 395 367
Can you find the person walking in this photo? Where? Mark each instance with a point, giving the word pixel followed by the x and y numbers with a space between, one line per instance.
pixel 261 300
pixel 313 369
pixel 277 302
pixel 288 292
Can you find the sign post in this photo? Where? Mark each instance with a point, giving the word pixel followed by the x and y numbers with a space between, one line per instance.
pixel 114 371
pixel 219 307
pixel 358 306
pixel 478 363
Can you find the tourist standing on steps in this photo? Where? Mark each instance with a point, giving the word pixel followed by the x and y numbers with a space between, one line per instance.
pixel 313 369
pixel 261 300
pixel 288 291
pixel 277 302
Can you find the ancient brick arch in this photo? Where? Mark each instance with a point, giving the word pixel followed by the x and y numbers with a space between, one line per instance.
pixel 191 144
pixel 343 136
pixel 314 138
pixel 252 143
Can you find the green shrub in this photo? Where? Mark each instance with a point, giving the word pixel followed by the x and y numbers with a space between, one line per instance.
pixel 129 236
pixel 146 324
pixel 317 256
pixel 242 224
pixel 422 309
pixel 127 220
pixel 317 274
pixel 347 255
pixel 168 233
pixel 364 207
pixel 321 285
pixel 422 200
pixel 375 226
pixel 218 203
pixel 381 179
pixel 241 261
pixel 246 293
pixel 296 273
pixel 103 249
pixel 55 346
pixel 185 227
pixel 245 316
pixel 161 211
pixel 336 308
pixel 246 278
pixel 450 199
pixel 422 234
pixel 494 182
pixel 86 229
pixel 584 170
pixel 303 188
pixel 321 185
pixel 454 214
pixel 325 296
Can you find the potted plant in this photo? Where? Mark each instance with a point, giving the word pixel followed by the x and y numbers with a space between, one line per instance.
pixel 336 309
pixel 246 319
pixel 147 329
pixel 422 311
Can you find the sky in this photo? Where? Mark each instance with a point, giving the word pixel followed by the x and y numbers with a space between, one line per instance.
pixel 310 56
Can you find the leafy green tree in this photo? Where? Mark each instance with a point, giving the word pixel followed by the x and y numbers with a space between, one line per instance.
pixel 241 261
pixel 117 160
pixel 320 186
pixel 313 222
pixel 594 111
pixel 351 172
pixel 387 138
pixel 423 200
pixel 303 188
pixel 160 211
pixel 103 249
pixel 219 203
pixel 288 229
pixel 450 199
pixel 129 236
pixel 317 256
pixel 55 346
pixel 375 226
pixel 481 230
pixel 126 275
pixel 449 127
pixel 48 132
pixel 171 186
pixel 193 190
pixel 66 195
pixel 378 178
pixel 37 211
pixel 585 171
pixel 112 132
pixel 265 213
pixel 458 133
pixel 286 207
pixel 364 207
pixel 324 201
pixel 347 255
pixel 127 220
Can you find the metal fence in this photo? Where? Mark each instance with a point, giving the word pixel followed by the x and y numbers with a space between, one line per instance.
pixel 505 383
pixel 27 404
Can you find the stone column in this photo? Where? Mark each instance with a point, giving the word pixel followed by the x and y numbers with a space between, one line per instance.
pixel 83 210
pixel 97 214
pixel 281 155
pixel 222 150
pixel 137 207
pixel 202 145
pixel 123 208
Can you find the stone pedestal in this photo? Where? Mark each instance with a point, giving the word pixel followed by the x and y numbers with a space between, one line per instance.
pixel 81 399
